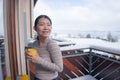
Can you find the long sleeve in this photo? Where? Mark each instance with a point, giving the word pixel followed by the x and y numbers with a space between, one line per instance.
pixel 55 56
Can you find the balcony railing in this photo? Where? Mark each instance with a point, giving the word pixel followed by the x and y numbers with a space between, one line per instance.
pixel 100 62
pixel 2 63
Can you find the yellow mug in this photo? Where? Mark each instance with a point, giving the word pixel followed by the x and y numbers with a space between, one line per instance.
pixel 32 51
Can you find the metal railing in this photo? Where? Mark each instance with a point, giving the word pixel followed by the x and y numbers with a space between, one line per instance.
pixel 102 63
pixel 1 61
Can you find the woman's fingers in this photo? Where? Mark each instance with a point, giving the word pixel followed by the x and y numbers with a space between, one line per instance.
pixel 32 57
pixel 29 57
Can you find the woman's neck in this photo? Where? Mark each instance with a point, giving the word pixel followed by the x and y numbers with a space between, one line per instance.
pixel 42 41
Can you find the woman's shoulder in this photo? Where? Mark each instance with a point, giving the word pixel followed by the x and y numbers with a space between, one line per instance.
pixel 52 45
pixel 52 41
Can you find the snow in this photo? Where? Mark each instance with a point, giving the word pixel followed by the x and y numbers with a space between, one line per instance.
pixel 66 43
pixel 85 77
pixel 93 43
pixel 74 47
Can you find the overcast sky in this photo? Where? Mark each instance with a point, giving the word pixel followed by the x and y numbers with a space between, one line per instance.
pixel 83 15
pixel 1 18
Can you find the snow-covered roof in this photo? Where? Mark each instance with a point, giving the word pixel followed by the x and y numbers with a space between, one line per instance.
pixel 106 49
pixel 66 43
pixel 93 43
pixel 74 47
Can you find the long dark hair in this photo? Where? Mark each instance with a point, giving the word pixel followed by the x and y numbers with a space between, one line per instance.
pixel 37 20
pixel 39 17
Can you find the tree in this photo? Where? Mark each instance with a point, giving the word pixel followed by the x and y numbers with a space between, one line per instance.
pixel 115 39
pixel 109 37
pixel 88 36
pixel 80 35
pixel 69 35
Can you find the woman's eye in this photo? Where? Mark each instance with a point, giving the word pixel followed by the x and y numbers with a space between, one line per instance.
pixel 48 24
pixel 42 24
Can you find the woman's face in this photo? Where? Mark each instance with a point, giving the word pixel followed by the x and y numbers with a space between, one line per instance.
pixel 43 27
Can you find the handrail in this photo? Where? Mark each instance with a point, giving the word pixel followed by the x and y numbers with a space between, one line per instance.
pixel 101 66
pixel 106 49
pixel 110 50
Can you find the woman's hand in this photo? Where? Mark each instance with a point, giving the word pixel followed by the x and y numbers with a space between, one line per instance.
pixel 33 57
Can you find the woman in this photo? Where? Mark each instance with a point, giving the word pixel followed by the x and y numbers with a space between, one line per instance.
pixel 48 60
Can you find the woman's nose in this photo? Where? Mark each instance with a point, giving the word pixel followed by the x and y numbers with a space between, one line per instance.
pixel 46 27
